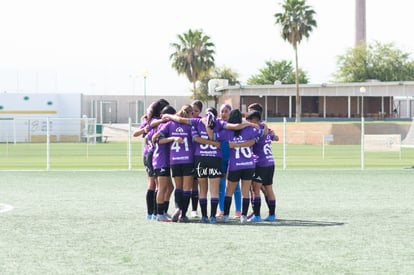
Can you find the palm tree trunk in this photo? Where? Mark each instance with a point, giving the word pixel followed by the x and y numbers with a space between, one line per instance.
pixel 298 103
pixel 194 90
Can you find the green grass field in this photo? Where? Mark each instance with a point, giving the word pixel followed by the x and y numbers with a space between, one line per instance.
pixel 92 222
pixel 69 156
pixel 114 156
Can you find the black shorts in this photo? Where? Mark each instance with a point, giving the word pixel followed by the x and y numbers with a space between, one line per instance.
pixel 243 174
pixel 264 175
pixel 181 170
pixel 162 172
pixel 148 164
pixel 207 167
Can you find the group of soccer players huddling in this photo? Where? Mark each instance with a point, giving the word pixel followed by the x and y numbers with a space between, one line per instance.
pixel 209 153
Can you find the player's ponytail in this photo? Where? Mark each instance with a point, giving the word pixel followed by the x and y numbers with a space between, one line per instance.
pixel 236 118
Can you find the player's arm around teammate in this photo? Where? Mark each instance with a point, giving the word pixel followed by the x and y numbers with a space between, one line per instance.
pixel 181 161
pixel 241 164
pixel 264 170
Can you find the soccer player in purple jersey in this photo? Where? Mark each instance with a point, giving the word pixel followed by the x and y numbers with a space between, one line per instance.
pixel 265 167
pixel 197 106
pixel 181 161
pixel 207 160
pixel 240 165
pixel 153 112
pixel 161 164
pixel 225 110
pixel 267 181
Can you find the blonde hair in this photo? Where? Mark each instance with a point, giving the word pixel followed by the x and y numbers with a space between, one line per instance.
pixel 185 110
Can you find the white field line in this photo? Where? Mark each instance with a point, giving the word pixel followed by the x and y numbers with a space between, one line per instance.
pixel 5 207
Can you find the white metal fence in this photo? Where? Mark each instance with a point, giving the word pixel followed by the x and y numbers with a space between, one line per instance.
pixel 81 143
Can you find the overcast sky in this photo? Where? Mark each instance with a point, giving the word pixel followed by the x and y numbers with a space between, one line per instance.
pixel 104 46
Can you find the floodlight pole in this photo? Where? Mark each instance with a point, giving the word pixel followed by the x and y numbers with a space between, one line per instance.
pixel 362 143
pixel 145 75
pixel 47 144
pixel 133 77
pixel 284 143
pixel 362 90
pixel 129 144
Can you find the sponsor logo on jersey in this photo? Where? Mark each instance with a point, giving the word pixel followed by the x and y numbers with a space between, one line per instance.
pixel 238 138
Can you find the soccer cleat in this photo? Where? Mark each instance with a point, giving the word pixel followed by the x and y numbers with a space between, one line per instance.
pixel 250 215
pixel 255 219
pixel 163 218
pixel 176 215
pixel 220 214
pixel 194 214
pixel 224 219
pixel 149 217
pixel 167 215
pixel 213 220
pixel 154 217
pixel 183 219
pixel 204 220
pixel 237 214
pixel 243 219
pixel 270 218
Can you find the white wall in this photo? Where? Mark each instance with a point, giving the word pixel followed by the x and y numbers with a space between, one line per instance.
pixel 23 117
pixel 40 105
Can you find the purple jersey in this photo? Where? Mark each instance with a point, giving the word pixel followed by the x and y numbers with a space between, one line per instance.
pixel 262 150
pixel 220 124
pixel 204 150
pixel 161 156
pixel 147 147
pixel 240 157
pixel 180 153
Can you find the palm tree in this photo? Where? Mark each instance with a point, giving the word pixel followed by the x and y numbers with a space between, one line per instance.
pixel 193 56
pixel 297 21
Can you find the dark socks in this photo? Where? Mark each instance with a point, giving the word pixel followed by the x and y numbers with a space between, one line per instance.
pixel 166 206
pixel 178 198
pixel 150 201
pixel 227 204
pixel 186 202
pixel 214 203
pixel 272 207
pixel 203 206
pixel 155 203
pixel 245 206
pixel 256 206
pixel 194 199
pixel 160 207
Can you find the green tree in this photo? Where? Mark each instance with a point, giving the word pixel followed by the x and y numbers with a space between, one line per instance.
pixel 378 61
pixel 193 55
pixel 352 66
pixel 282 71
pixel 216 73
pixel 296 22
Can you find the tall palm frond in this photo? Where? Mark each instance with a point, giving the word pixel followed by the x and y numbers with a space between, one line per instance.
pixel 193 55
pixel 296 21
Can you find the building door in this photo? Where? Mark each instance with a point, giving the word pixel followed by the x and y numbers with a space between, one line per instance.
pixel 136 111
pixel 108 111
